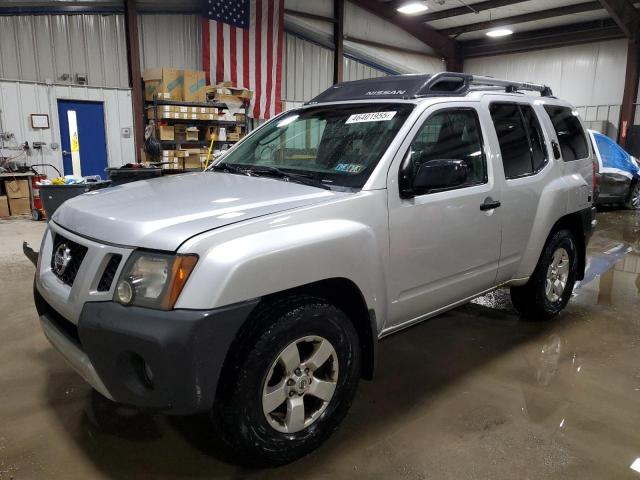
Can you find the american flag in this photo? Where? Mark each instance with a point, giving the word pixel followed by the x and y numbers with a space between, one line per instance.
pixel 242 44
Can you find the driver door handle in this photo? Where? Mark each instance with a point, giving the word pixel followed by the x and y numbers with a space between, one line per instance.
pixel 489 204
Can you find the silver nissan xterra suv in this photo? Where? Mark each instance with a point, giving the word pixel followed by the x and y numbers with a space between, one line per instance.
pixel 257 291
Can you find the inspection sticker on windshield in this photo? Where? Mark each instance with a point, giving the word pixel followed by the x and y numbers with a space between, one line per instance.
pixel 370 117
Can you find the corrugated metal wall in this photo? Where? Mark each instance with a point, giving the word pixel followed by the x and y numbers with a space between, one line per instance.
pixel 41 47
pixel 307 70
pixel 589 74
pixel 170 40
pixel 20 99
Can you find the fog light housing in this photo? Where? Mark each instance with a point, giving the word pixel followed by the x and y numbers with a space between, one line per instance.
pixel 124 292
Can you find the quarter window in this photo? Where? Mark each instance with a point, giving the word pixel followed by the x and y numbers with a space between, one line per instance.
pixel 452 135
pixel 573 142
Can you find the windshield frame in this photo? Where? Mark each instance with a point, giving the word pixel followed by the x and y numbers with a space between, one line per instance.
pixel 409 105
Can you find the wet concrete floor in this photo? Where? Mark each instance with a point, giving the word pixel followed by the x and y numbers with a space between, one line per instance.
pixel 474 393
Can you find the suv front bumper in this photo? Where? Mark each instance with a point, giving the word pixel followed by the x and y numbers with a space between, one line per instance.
pixel 169 360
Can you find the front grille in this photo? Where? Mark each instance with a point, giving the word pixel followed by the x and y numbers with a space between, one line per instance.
pixel 109 273
pixel 76 254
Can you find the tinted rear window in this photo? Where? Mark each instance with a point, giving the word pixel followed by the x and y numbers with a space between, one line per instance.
pixel 573 142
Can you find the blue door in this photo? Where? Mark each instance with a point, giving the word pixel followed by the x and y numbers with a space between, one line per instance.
pixel 82 137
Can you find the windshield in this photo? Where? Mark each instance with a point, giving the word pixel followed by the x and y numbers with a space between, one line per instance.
pixel 336 145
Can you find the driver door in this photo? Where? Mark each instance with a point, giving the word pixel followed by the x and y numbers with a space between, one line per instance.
pixel 444 247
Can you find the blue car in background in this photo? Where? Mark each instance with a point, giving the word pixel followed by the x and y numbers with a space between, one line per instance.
pixel 619 173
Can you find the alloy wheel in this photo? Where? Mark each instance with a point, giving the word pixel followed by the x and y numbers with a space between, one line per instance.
pixel 300 384
pixel 557 275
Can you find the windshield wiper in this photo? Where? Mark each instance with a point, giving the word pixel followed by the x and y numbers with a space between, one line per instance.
pixel 230 168
pixel 303 178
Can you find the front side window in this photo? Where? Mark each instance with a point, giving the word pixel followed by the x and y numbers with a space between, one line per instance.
pixel 573 141
pixel 452 135
pixel 337 145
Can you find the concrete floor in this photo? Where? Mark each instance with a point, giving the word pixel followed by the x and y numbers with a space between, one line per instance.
pixel 475 393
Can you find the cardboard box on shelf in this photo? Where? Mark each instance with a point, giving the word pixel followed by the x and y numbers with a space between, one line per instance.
pixel 166 132
pixel 194 86
pixel 239 117
pixel 233 136
pixel 19 206
pixel 192 134
pixel 180 133
pixel 17 188
pixel 241 93
pixel 4 206
pixel 163 83
pixel 211 133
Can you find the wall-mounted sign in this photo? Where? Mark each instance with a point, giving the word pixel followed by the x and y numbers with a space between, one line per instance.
pixel 39 120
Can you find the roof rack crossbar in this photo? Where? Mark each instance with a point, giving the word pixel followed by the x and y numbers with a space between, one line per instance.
pixel 510 86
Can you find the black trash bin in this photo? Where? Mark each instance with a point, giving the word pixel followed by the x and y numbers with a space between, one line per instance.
pixel 55 195
pixel 118 176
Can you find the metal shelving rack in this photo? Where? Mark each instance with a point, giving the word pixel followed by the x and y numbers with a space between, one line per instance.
pixel 173 144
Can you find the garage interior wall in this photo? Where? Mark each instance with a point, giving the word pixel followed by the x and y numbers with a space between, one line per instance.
pixel 55 48
pixel 20 99
pixel 170 40
pixel 307 70
pixel 590 76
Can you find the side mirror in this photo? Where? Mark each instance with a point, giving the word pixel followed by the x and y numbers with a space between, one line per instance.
pixel 556 150
pixel 405 177
pixel 440 174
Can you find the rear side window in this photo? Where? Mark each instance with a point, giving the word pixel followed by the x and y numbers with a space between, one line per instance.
pixel 512 136
pixel 536 139
pixel 573 141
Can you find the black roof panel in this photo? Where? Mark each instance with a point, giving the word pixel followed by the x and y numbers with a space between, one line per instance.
pixel 399 87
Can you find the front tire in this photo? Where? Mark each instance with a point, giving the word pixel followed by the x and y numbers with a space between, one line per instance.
pixel 288 383
pixel 550 287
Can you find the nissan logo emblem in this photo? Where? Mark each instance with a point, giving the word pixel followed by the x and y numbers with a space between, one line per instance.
pixel 61 259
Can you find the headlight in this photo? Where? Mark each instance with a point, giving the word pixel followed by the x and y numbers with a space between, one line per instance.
pixel 153 280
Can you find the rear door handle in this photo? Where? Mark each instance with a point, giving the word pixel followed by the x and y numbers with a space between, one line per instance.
pixel 489 204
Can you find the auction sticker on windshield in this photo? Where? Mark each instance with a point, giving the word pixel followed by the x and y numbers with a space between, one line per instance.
pixel 370 117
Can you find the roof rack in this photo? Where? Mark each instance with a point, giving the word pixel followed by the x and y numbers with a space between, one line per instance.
pixel 511 87
pixel 409 87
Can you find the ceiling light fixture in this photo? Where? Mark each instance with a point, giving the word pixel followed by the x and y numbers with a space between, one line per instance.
pixel 412 7
pixel 499 32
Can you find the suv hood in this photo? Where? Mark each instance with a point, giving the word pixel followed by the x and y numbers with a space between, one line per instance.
pixel 163 213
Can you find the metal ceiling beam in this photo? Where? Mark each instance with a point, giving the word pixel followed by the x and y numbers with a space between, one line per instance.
pixel 625 15
pixel 441 43
pixel 526 17
pixel 574 34
pixel 473 8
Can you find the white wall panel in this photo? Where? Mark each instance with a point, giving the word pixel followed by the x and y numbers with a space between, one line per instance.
pixel 589 74
pixel 41 47
pixel 170 40
pixel 20 99
pixel 307 70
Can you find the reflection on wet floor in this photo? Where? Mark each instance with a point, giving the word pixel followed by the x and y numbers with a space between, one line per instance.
pixel 473 393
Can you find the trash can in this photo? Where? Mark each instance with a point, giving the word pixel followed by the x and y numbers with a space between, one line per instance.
pixel 118 176
pixel 55 195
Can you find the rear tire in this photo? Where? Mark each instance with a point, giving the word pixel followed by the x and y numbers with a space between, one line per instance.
pixel 550 287
pixel 297 347
pixel 633 202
